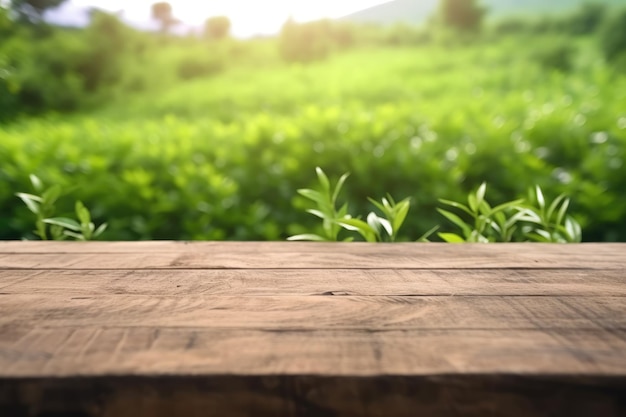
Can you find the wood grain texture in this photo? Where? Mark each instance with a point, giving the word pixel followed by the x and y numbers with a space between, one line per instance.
pixel 121 329
pixel 89 351
pixel 339 282
pixel 272 255
pixel 302 312
pixel 438 250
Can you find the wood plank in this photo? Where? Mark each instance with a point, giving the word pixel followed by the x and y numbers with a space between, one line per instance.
pixel 255 328
pixel 151 351
pixel 321 312
pixel 273 255
pixel 433 248
pixel 340 282
pixel 315 396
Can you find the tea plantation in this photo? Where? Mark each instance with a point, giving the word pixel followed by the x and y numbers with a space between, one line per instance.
pixel 222 156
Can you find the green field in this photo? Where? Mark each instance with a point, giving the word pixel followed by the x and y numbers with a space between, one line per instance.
pixel 221 156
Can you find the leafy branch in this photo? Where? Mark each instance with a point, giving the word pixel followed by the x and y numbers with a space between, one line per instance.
pixel 47 227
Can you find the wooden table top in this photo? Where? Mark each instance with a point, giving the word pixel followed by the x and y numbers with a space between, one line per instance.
pixel 121 329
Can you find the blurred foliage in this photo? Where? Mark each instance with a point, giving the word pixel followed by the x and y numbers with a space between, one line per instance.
pixel 305 42
pixel 462 15
pixel 555 54
pixel 171 137
pixel 163 12
pixel 217 27
pixel 614 39
pixel 587 18
pixel 33 10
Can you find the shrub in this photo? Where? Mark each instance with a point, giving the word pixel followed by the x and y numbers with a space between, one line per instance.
pixel 462 15
pixel 511 26
pixel 557 54
pixel 43 206
pixel 613 37
pixel 217 27
pixel 587 19
pixel 197 67
pixel 305 42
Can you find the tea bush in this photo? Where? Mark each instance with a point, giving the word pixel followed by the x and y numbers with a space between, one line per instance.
pixel 222 157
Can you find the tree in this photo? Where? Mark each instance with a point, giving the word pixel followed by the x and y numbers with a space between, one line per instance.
pixel 462 15
pixel 217 27
pixel 33 10
pixel 162 11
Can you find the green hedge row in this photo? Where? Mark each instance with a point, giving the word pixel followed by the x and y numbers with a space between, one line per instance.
pixel 166 179
pixel 219 159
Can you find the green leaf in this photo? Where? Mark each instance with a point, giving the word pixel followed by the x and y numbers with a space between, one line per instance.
pixel 343 211
pixel 36 182
pixel 539 237
pixel 82 213
pixel 457 205
pixel 451 238
pixel 507 205
pixel 519 216
pixel 425 236
pixel 74 235
pixel 530 215
pixel 311 194
pixel 376 223
pixel 456 220
pixel 323 179
pixel 31 201
pixel 57 233
pixel 64 222
pixel 338 186
pixel 573 230
pixel 545 235
pixel 480 193
pixel 554 206
pixel 540 200
pixel 317 213
pixel 562 212
pixel 308 237
pixel 378 205
pixel 476 237
pixel 356 225
pixel 322 202
pixel 100 229
pixel 485 209
pixel 500 219
pixel 52 194
pixel 387 205
pixel 402 210
pixel 473 203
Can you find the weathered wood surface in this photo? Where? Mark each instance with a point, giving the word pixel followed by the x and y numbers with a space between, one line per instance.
pixel 294 255
pixel 119 329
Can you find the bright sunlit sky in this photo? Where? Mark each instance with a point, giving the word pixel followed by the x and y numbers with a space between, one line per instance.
pixel 248 17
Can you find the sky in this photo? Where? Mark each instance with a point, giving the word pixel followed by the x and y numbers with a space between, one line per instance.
pixel 248 17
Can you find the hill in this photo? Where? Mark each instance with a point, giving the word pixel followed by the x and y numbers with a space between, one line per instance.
pixel 416 12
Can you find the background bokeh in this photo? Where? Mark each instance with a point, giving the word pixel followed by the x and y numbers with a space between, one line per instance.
pixel 201 135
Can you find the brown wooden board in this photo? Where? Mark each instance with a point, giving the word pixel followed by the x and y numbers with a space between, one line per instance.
pixel 339 282
pixel 87 351
pixel 305 312
pixel 329 256
pixel 316 396
pixel 436 250
pixel 297 329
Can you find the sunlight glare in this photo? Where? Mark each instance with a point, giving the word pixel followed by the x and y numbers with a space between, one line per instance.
pixel 248 17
